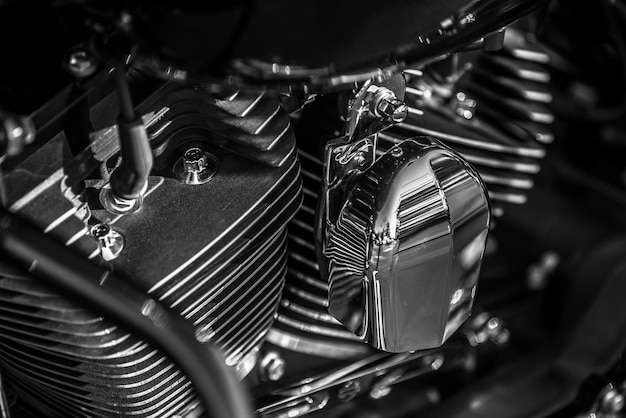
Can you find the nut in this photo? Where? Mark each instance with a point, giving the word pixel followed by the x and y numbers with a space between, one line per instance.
pixel 393 109
pixel 385 104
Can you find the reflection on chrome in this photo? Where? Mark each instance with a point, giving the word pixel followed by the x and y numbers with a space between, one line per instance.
pixel 401 245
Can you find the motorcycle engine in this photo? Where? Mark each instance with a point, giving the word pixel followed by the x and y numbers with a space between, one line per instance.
pixel 362 219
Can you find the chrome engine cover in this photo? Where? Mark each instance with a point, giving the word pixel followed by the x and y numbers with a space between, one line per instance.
pixel 402 248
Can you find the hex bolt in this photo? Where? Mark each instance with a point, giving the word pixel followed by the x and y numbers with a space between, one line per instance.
pixel 272 367
pixel 82 64
pixel 196 166
pixel 384 104
pixel 111 242
pixel 393 109
pixel 195 160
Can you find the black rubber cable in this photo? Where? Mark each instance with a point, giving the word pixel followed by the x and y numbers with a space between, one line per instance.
pixel 130 179
pixel 120 301
pixel 127 110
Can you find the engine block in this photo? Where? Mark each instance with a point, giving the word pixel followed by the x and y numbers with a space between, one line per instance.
pixel 215 252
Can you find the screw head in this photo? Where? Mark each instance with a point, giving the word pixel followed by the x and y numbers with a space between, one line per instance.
pixel 204 333
pixel 100 230
pixel 273 367
pixel 111 242
pixel 195 156
pixel 82 64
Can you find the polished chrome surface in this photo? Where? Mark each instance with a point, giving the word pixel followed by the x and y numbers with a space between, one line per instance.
pixel 377 105
pixel 111 242
pixel 195 167
pixel 403 245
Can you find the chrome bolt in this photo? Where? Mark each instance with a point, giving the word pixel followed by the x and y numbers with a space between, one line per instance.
pixel 195 160
pixel 386 105
pixel 273 367
pixel 204 333
pixel 397 152
pixel 393 109
pixel 434 362
pixel 613 401
pixel 154 312
pixel 380 392
pixel 196 166
pixel 349 390
pixel 82 64
pixel 111 242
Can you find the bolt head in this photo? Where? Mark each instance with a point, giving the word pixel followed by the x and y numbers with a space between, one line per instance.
pixel 100 230
pixel 196 166
pixel 81 64
pixel 111 242
pixel 275 369
pixel 393 109
pixel 272 366
pixel 194 155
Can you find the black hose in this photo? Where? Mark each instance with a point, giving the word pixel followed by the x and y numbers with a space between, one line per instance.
pixel 129 180
pixel 124 98
pixel 118 300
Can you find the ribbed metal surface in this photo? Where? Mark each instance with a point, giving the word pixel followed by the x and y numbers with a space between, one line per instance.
pixel 215 253
pixel 83 363
pixel 496 115
pixel 302 322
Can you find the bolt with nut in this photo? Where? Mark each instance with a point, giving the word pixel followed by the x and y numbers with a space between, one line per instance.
pixel 386 105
